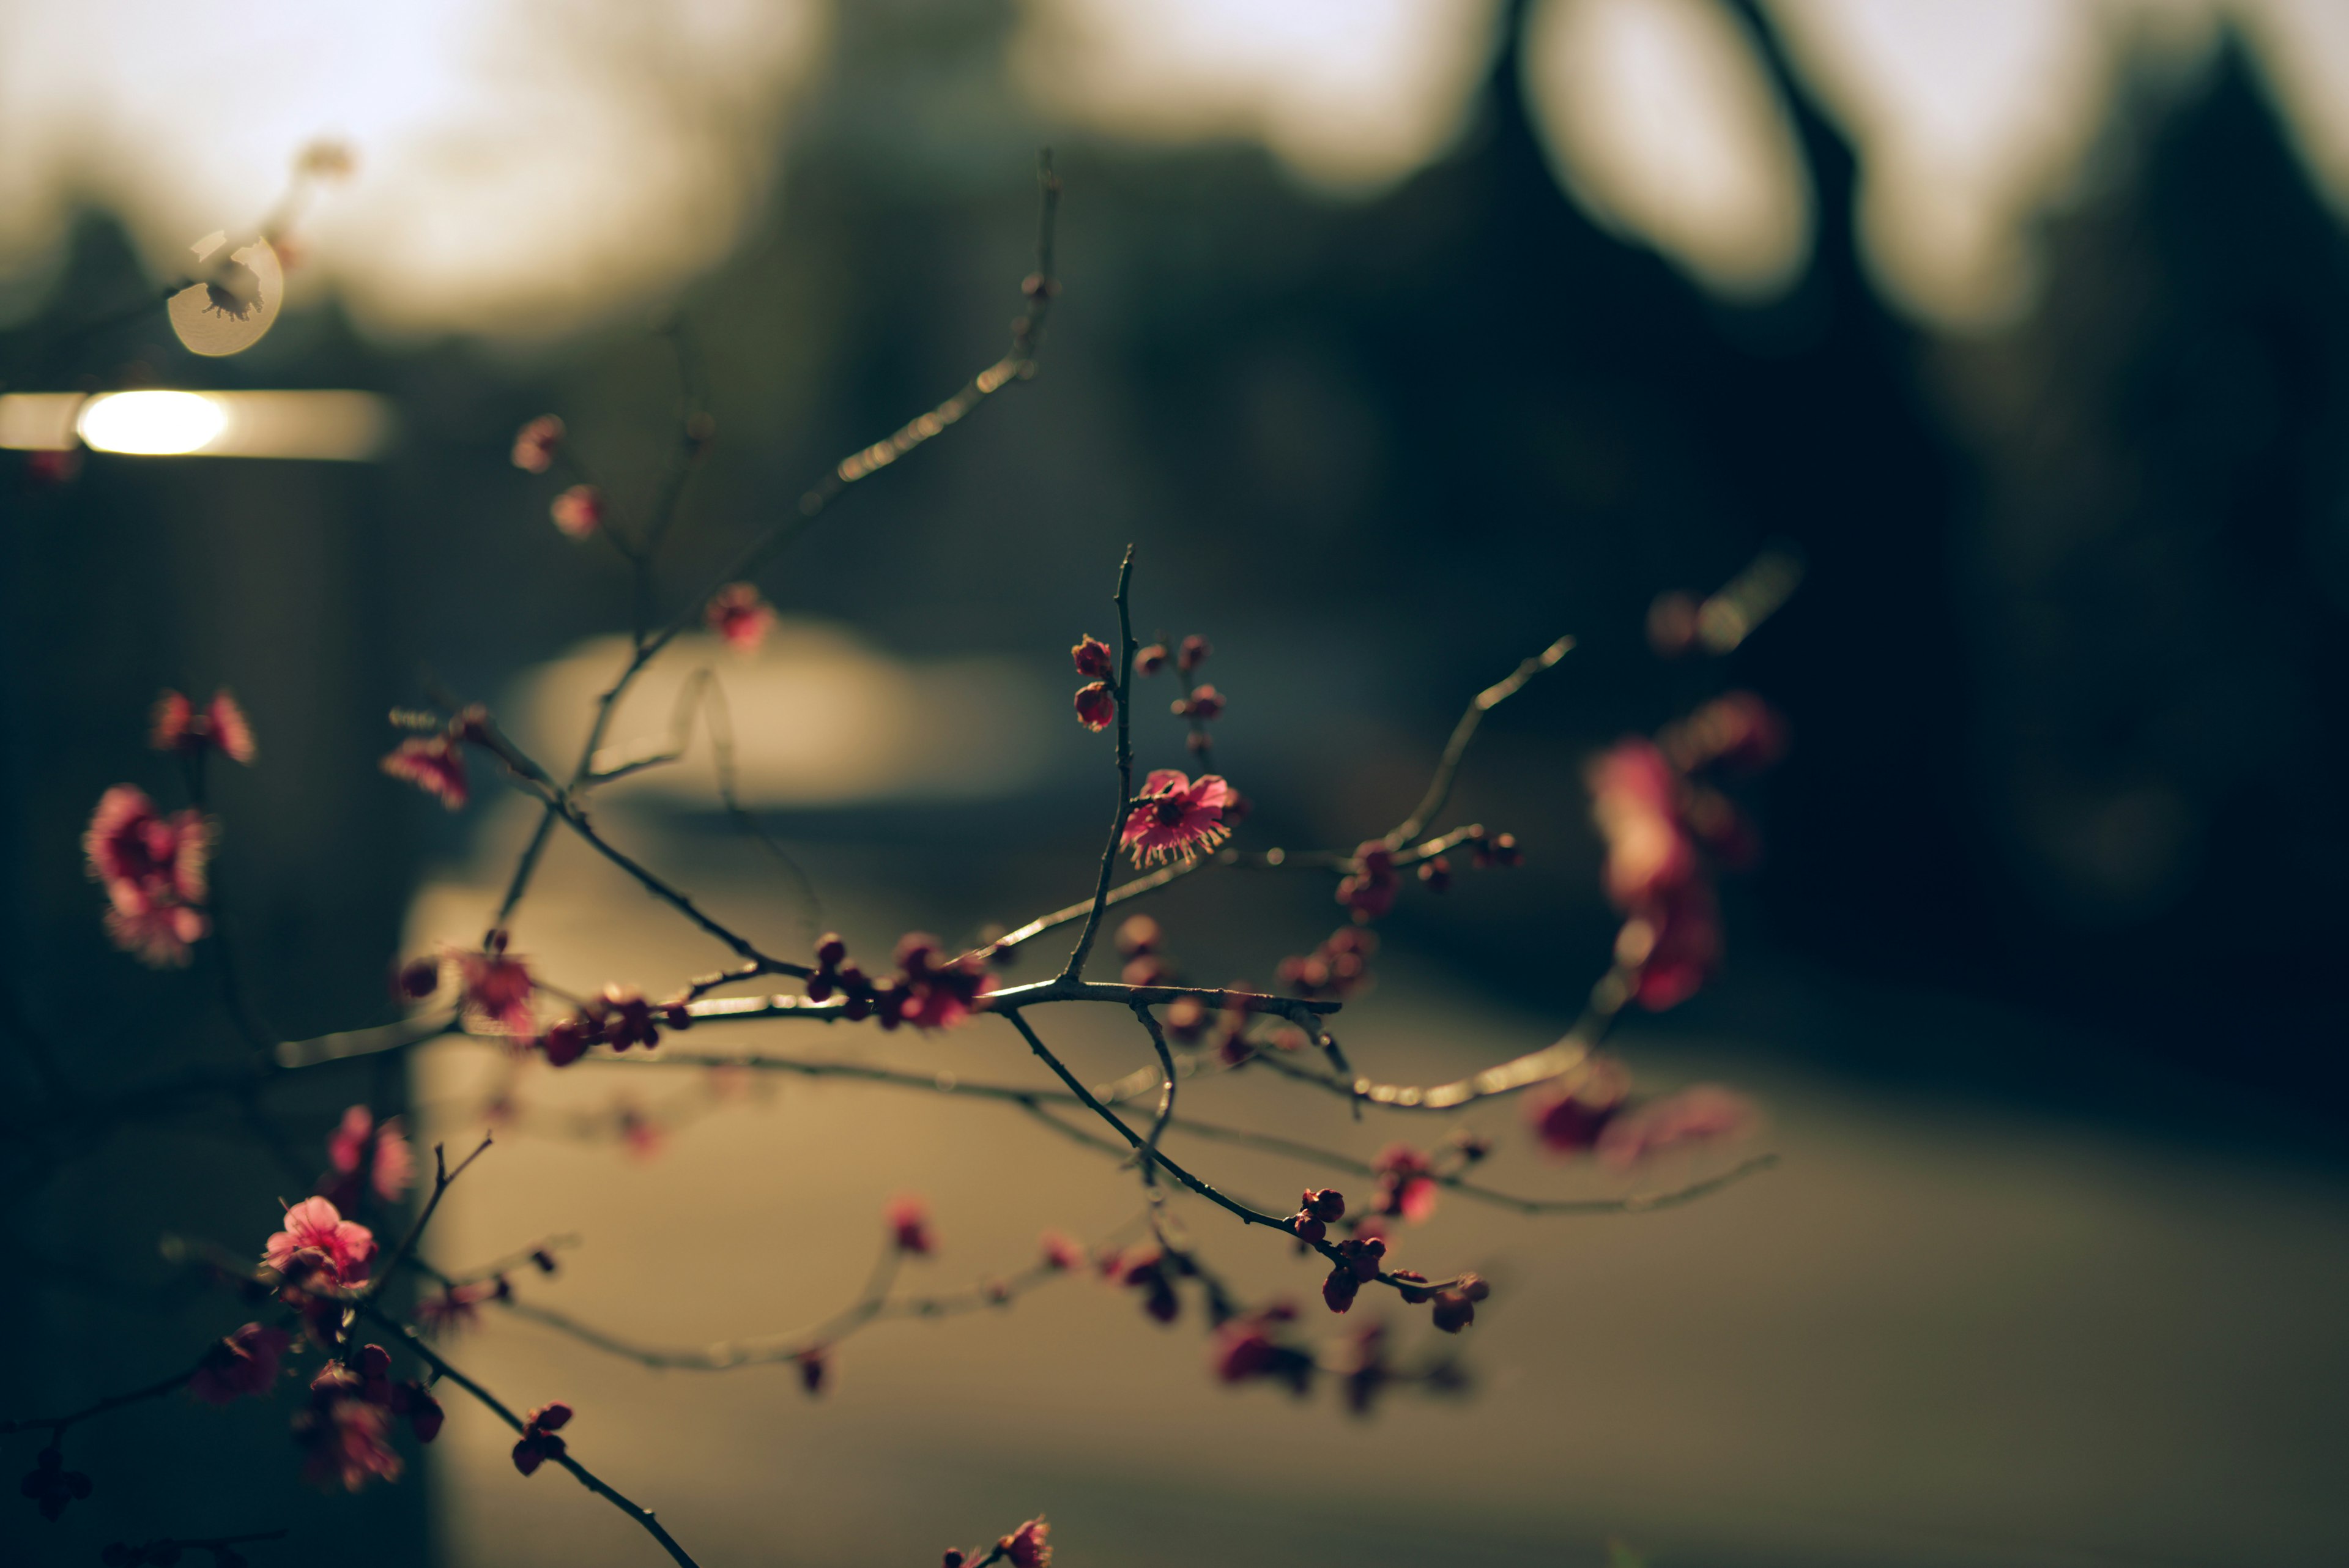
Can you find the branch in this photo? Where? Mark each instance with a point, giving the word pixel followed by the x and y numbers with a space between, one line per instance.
pixel 642 1517
pixel 1569 1054
pixel 1017 365
pixel 1245 1213
pixel 58 1424
pixel 443 1180
pixel 1120 687
pixel 873 1304
pixel 1439 789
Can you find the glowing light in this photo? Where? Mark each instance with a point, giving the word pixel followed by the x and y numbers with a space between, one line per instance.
pixel 345 427
pixel 1663 124
pixel 151 424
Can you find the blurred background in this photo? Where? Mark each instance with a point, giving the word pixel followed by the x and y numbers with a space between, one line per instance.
pixel 1400 337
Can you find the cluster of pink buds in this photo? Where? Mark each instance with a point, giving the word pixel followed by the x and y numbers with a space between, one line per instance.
pixel 51 1486
pixel 1359 1262
pixel 344 1429
pixel 1202 704
pixel 1455 1306
pixel 1320 1208
pixel 433 760
pixel 539 1443
pixel 928 991
pixel 1097 700
pixel 1339 968
pixel 619 1017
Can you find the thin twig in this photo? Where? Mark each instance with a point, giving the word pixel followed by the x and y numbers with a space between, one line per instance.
pixel 1121 684
pixel 439 1364
pixel 1439 789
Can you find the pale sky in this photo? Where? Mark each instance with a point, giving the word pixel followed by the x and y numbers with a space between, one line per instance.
pixel 526 165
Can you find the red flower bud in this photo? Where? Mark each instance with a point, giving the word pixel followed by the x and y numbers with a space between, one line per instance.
pixel 1092 658
pixel 1096 706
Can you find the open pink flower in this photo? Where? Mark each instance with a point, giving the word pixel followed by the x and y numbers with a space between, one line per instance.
pixel 318 1245
pixel 1176 816
pixel 1704 1113
pixel 433 764
pixel 153 869
pixel 245 1364
pixel 380 1153
pixel 498 987
pixel 578 511
pixel 536 443
pixel 738 614
pixel 178 727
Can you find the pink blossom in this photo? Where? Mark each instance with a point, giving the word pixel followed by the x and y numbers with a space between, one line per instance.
pixel 738 614
pixel 1671 944
pixel 318 1244
pixel 1570 1118
pixel 1061 1252
pixel 1700 1114
pixel 153 869
pixel 536 443
pixel 358 1146
pixel 1026 1546
pixel 1635 799
pixel 578 511
pixel 243 1363
pixel 1092 658
pixel 433 764
pixel 1406 1182
pixel 178 727
pixel 342 1439
pixel 909 1225
pixel 1096 707
pixel 1177 817
pixel 129 841
pixel 498 987
pixel 158 932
